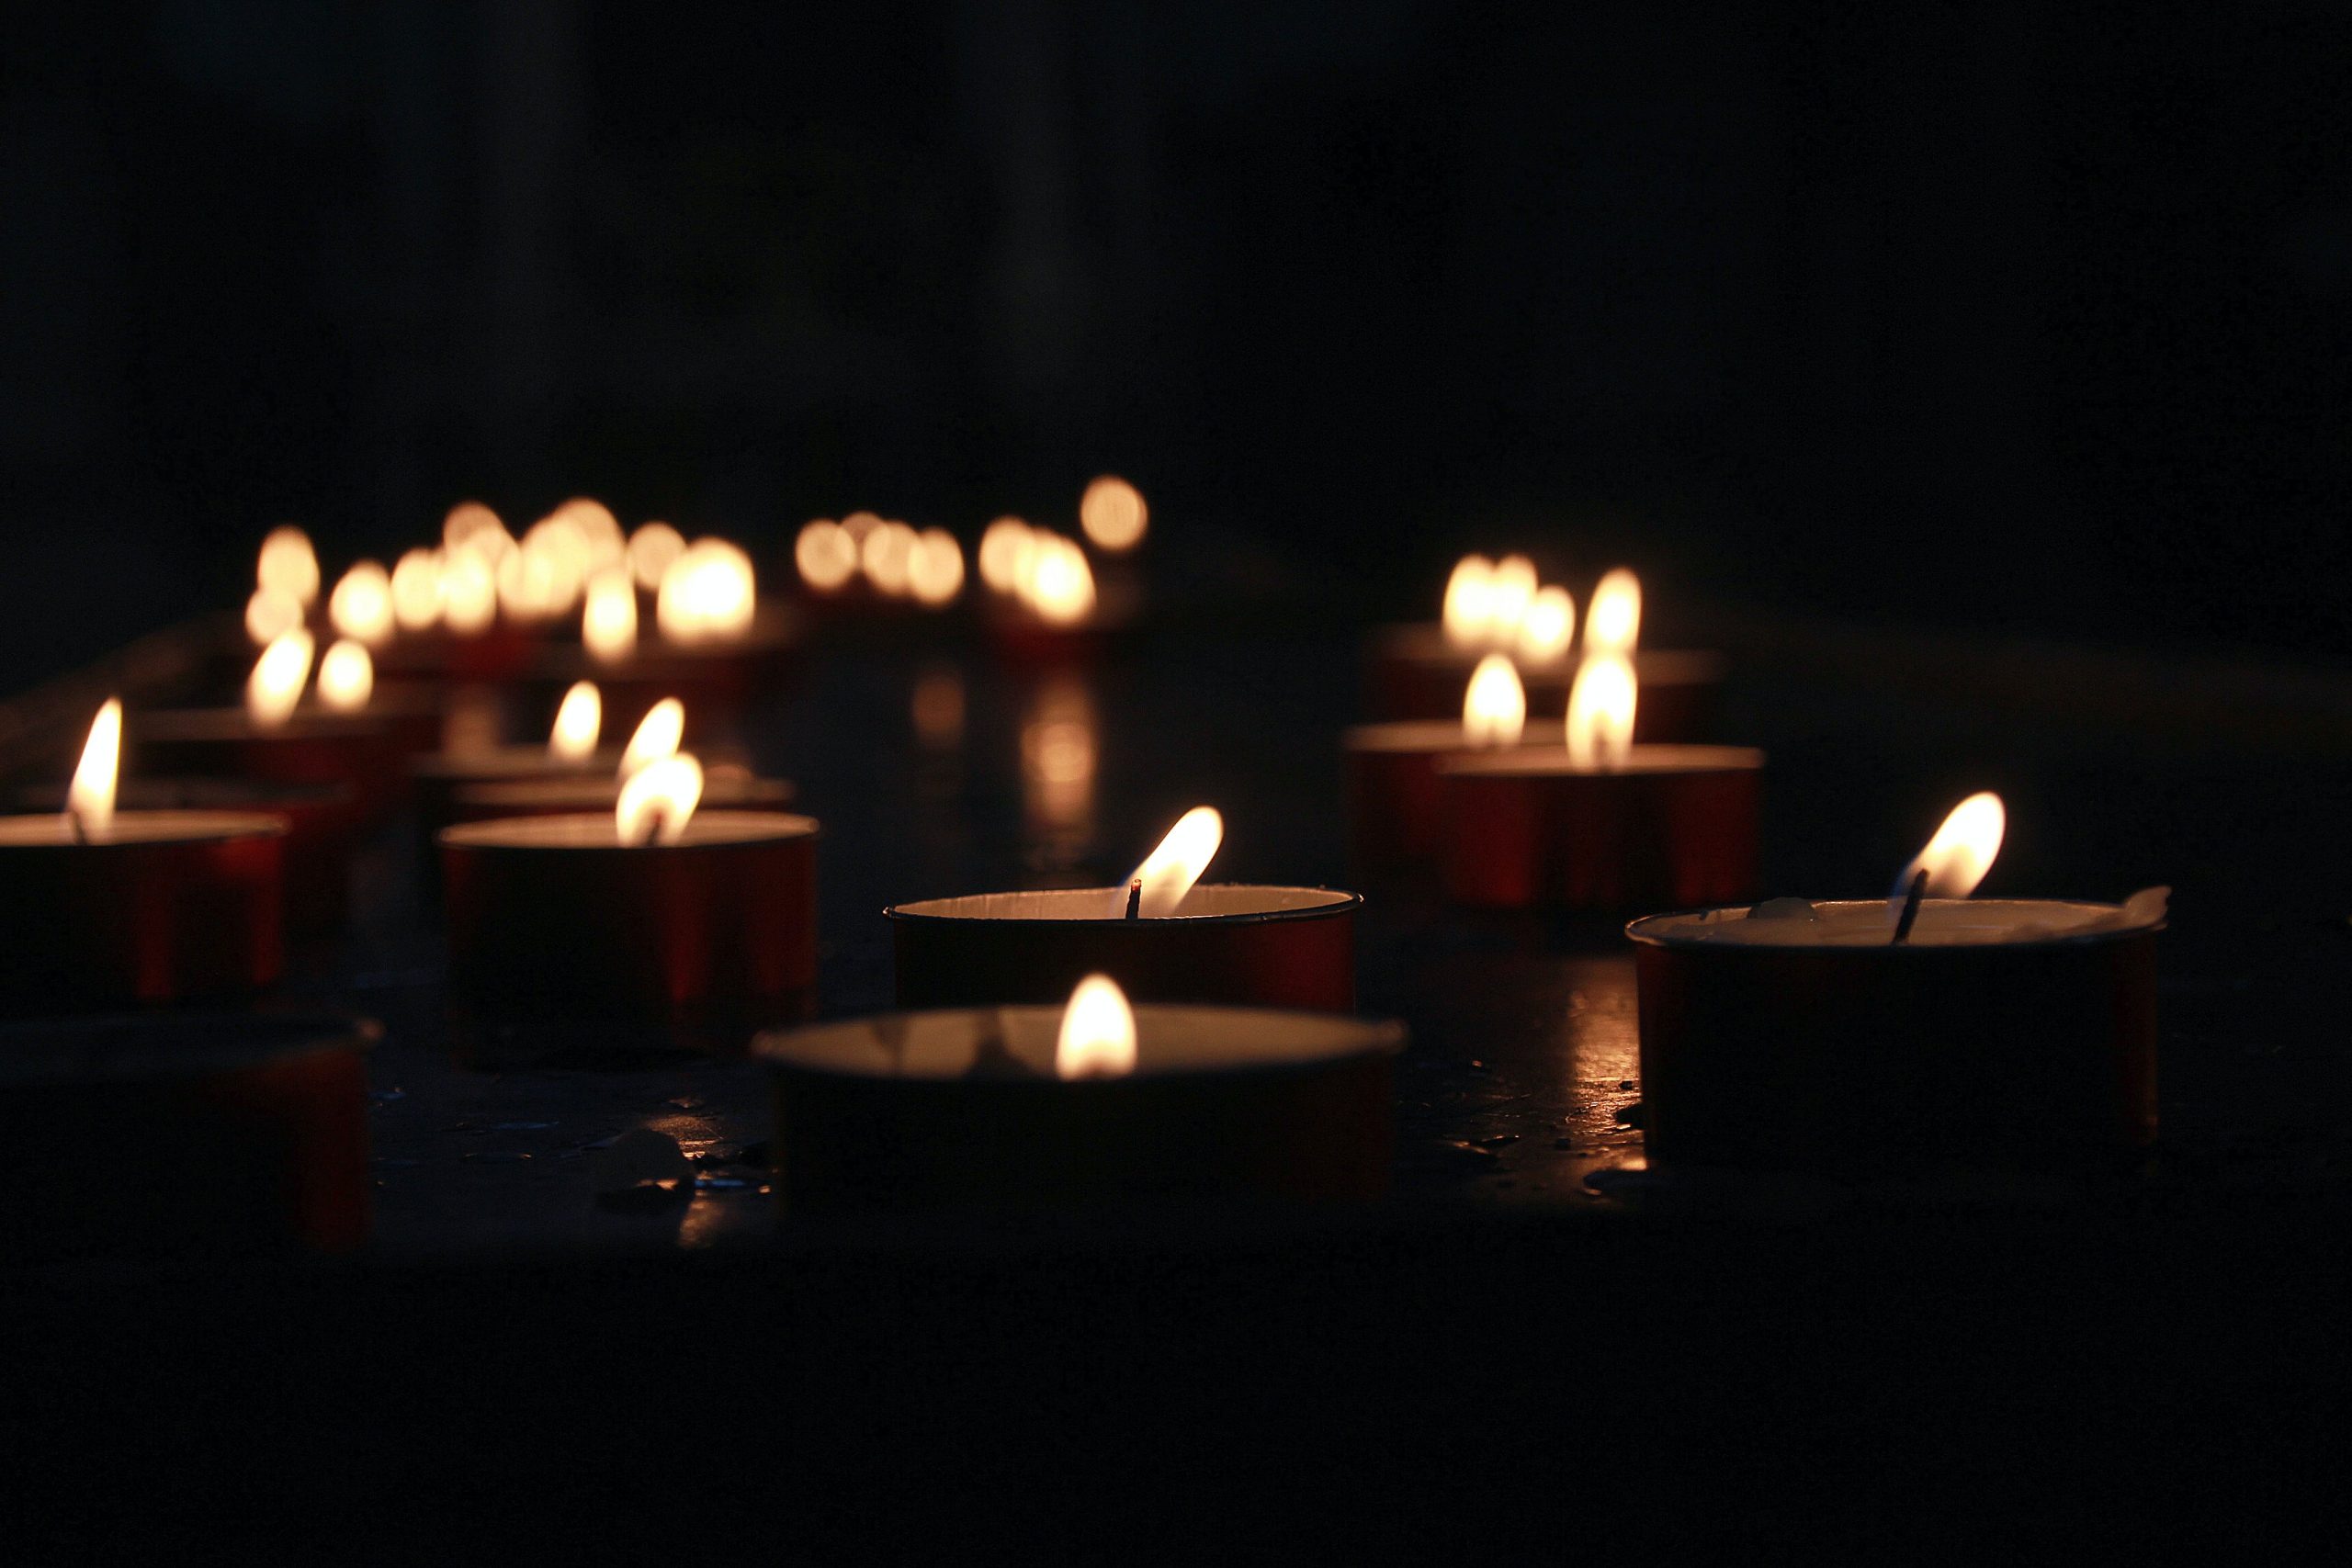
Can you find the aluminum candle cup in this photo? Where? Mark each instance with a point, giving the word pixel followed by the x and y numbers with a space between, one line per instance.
pixel 1413 671
pixel 224 1135
pixel 1233 945
pixel 1393 801
pixel 1822 1046
pixel 162 906
pixel 563 939
pixel 1528 828
pixel 962 1111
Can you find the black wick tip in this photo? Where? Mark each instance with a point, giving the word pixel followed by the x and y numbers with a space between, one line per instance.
pixel 1910 916
pixel 1135 898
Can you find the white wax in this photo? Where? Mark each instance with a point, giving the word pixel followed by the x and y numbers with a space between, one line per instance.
pixel 1206 901
pixel 1942 922
pixel 595 832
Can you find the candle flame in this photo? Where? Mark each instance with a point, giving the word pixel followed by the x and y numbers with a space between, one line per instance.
pixel 289 564
pixel 579 720
pixel 608 622
pixel 1509 594
pixel 275 684
pixel 1493 706
pixel 708 596
pixel 1548 627
pixel 1169 871
pixel 1613 621
pixel 659 801
pixel 1005 548
pixel 89 799
pixel 652 551
pixel 347 676
pixel 1600 712
pixel 543 577
pixel 888 555
pixel 1098 1035
pixel 935 569
pixel 361 605
pixel 1058 585
pixel 826 556
pixel 468 592
pixel 270 614
pixel 591 523
pixel 1960 854
pixel 1114 515
pixel 471 525
pixel 658 734
pixel 417 590
pixel 1466 592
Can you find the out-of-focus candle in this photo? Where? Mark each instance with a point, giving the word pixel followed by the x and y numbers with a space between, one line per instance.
pixel 608 621
pixel 361 605
pixel 288 565
pixel 652 550
pixel 274 687
pixel 1392 768
pixel 417 590
pixel 826 556
pixel 1112 513
pixel 346 677
pixel 708 596
pixel 936 567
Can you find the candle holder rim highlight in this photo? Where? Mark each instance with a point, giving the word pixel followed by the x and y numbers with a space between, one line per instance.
pixel 1901 952
pixel 509 763
pixel 191 824
pixel 498 835
pixel 1646 760
pixel 1401 736
pixel 722 792
pixel 1326 903
pixel 208 723
pixel 1353 1039
pixel 129 1047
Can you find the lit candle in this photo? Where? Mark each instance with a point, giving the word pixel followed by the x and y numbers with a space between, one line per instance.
pixel 1167 936
pixel 1091 1104
pixel 655 925
pixel 569 750
pixel 1599 822
pixel 351 737
pixel 117 910
pixel 1392 768
pixel 1922 1028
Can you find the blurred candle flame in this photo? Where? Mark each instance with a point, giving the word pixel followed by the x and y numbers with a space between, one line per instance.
pixel 826 556
pixel 1493 706
pixel 270 614
pixel 608 620
pixel 1113 514
pixel 935 569
pixel 888 555
pixel 1466 592
pixel 1600 712
pixel 579 720
pixel 417 590
pixel 1548 627
pixel 279 676
pixel 347 676
pixel 89 799
pixel 658 735
pixel 1005 548
pixel 1098 1033
pixel 471 525
pixel 1509 594
pixel 652 550
pixel 468 592
pixel 289 564
pixel 1169 871
pixel 708 596
pixel 361 605
pixel 1612 623
pixel 1058 585
pixel 1962 851
pixel 659 800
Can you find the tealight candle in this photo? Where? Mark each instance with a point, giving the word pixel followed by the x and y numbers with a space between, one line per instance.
pixel 119 910
pixel 1165 935
pixel 1393 798
pixel 1095 1104
pixel 570 750
pixel 1599 823
pixel 653 925
pixel 1926 1028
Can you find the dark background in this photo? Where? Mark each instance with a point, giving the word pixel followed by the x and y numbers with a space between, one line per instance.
pixel 1781 305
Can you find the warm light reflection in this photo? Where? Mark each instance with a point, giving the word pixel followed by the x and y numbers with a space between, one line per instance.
pixel 608 619
pixel 89 799
pixel 1169 871
pixel 1005 548
pixel 651 550
pixel 579 721
pixel 361 605
pixel 1112 513
pixel 659 800
pixel 1962 851
pixel 938 707
pixel 347 676
pixel 471 525
pixel 468 592
pixel 417 590
pixel 1058 585
pixel 270 614
pixel 826 556
pixel 1493 706
pixel 1058 760
pixel 887 554
pixel 289 564
pixel 279 676
pixel 935 568
pixel 1548 627
pixel 658 735
pixel 1600 712
pixel 1097 1033
pixel 708 596
pixel 1509 594
pixel 1612 622
pixel 1466 589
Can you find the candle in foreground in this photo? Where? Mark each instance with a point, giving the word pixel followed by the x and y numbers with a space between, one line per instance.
pixel 1599 823
pixel 1090 1104
pixel 1806 1035
pixel 1185 940
pixel 655 926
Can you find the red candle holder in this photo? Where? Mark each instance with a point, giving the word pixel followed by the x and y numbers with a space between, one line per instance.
pixel 563 941
pixel 1393 801
pixel 1853 1059
pixel 359 750
pixel 1413 673
pixel 163 907
pixel 1234 944
pixel 961 1111
pixel 222 1134
pixel 1527 829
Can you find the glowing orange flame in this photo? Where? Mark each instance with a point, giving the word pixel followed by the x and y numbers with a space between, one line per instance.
pixel 935 569
pixel 608 621
pixel 1613 621
pixel 1962 851
pixel 347 676
pixel 471 525
pixel 888 555
pixel 826 556
pixel 1600 712
pixel 1509 594
pixel 579 720
pixel 417 590
pixel 659 801
pixel 658 734
pixel 1005 548
pixel 708 596
pixel 289 564
pixel 1169 871
pixel 1112 513
pixel 1548 627
pixel 468 592
pixel 361 605
pixel 270 614
pixel 1466 592
pixel 1493 706
pixel 652 550
pixel 279 674
pixel 1098 1034
pixel 89 799
pixel 1058 585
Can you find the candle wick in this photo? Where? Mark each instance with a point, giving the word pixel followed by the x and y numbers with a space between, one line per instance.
pixel 74 820
pixel 1135 898
pixel 1910 915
